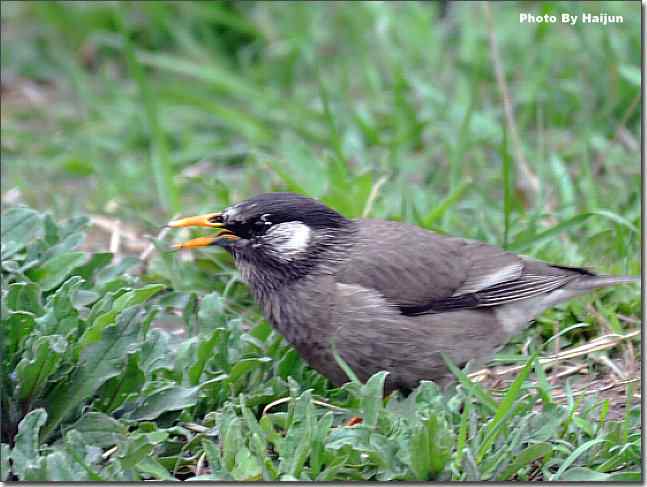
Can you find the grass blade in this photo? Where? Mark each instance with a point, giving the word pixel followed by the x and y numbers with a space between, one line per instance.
pixel 573 456
pixel 472 387
pixel 167 192
pixel 450 200
pixel 507 175
pixel 504 409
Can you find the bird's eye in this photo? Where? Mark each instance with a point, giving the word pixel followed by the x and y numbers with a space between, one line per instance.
pixel 261 225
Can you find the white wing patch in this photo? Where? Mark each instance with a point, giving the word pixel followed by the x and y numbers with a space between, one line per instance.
pixel 289 239
pixel 484 277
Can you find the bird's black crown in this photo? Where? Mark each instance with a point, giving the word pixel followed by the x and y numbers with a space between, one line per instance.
pixel 254 215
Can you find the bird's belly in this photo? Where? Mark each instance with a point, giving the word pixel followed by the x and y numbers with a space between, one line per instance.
pixel 371 336
pixel 411 348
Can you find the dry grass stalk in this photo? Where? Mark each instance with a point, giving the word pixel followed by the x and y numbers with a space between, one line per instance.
pixel 528 183
pixel 601 343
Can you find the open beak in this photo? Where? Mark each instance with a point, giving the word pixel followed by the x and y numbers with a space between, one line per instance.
pixel 222 239
pixel 211 220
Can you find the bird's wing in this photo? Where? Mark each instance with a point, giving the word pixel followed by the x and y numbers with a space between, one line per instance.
pixel 422 272
pixel 404 263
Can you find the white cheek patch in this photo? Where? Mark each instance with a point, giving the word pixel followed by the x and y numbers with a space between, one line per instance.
pixel 289 239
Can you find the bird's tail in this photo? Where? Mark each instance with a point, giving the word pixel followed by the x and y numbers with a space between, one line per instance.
pixel 594 282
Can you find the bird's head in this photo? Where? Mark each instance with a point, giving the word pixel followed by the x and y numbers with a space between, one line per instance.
pixel 282 231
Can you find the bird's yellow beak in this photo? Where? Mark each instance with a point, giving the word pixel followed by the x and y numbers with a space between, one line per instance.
pixel 221 239
pixel 211 220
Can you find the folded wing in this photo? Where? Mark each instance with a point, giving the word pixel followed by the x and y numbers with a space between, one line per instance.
pixel 423 272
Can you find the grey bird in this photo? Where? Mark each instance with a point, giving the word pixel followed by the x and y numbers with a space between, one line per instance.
pixel 387 295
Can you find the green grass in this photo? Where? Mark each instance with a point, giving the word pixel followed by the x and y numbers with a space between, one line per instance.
pixel 140 111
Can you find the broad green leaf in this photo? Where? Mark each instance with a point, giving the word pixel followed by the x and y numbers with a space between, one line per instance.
pixel 429 447
pixel 103 305
pixel 116 472
pixel 18 326
pixel 5 468
pixel 106 277
pixel 372 398
pixel 525 457
pixel 247 466
pixel 98 363
pixel 73 225
pixel 9 249
pixel 70 243
pixel 213 454
pixel 204 351
pixel 231 444
pixel 344 437
pixel 139 446
pixel 250 420
pixel 243 366
pixel 24 296
pixel 32 372
pixel 83 297
pixel 18 227
pixel 156 353
pixel 130 298
pixel 96 262
pixel 190 313
pixel 287 364
pixel 211 307
pixel 52 234
pixel 36 472
pixel 137 296
pixel 150 466
pixel 296 447
pixel 55 270
pixel 171 398
pixel 61 468
pixel 582 474
pixel 84 455
pixel 317 454
pixel 25 453
pixel 114 392
pixel 336 465
pixel 61 316
pixel 100 429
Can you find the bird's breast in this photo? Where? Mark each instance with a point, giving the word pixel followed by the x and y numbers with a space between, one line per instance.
pixel 300 310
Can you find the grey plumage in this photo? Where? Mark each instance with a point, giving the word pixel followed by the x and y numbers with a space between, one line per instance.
pixel 389 295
